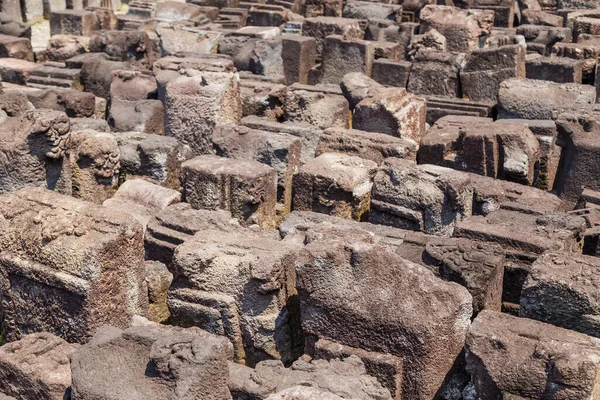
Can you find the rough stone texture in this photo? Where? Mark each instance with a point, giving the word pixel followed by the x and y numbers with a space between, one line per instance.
pixel 132 86
pixel 152 157
pixel 463 29
pixel 310 105
pixel 392 111
pixel 366 145
pixel 486 69
pixel 335 184
pixel 151 362
pixel 62 47
pixel 14 70
pixel 178 223
pixel 432 40
pixel 424 198
pixel 247 189
pixel 534 99
pixel 72 265
pixel 333 380
pixel 436 74
pixel 510 357
pixel 195 105
pixel 74 103
pixel 346 288
pixel 561 289
pixel 131 46
pixel 237 284
pixel 14 47
pixel 73 22
pixel 142 199
pixel 96 75
pixel 321 27
pixel 507 150
pixel 278 150
pixel 94 165
pixel 477 266
pixel 36 367
pixel 141 116
pixel 158 280
pixel 341 57
pixel 34 148
pixel 298 55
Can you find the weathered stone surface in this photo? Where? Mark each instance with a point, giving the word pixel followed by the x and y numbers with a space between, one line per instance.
pixel 178 223
pixel 561 290
pixel 140 116
pixel 150 362
pixel 432 40
pixel 314 105
pixel 142 199
pixel 278 150
pixel 14 47
pixel 341 57
pixel 247 189
pixel 237 284
pixel 436 74
pixel 424 198
pixel 152 157
pixel 321 27
pixel 501 150
pixel 335 184
pixel 16 71
pixel 392 111
pixel 62 47
pixel 336 379
pixel 478 266
pixel 463 29
pixel 96 75
pixel 298 55
pixel 60 262
pixel 94 165
pixel 366 145
pixel 195 105
pixel 34 148
pixel 132 85
pixel 534 99
pixel 131 46
pixel 486 69
pixel 36 367
pixel 73 22
pixel 346 287
pixel 510 357
pixel 158 280
pixel 74 103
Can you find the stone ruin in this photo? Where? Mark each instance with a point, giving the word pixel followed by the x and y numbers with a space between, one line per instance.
pixel 299 200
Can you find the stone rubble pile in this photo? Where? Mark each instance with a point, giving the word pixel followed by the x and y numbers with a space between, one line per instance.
pixel 299 200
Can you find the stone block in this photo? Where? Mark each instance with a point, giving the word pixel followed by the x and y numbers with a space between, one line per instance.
pixel 158 279
pixel 424 198
pixel 140 116
pixel 37 366
pixel 132 46
pixel 555 69
pixel 391 73
pixel 278 150
pixel 298 54
pixel 151 157
pixel 366 145
pixel 486 69
pixel 15 47
pixel 240 291
pixel 73 22
pixel 35 147
pixel 247 189
pixel 521 358
pixel 341 57
pixel 436 74
pixel 463 29
pixel 72 102
pixel 60 261
pixel 339 273
pixel 132 85
pixel 321 27
pixel 392 111
pixel 94 165
pixel 213 98
pixel 335 184
pixel 17 71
